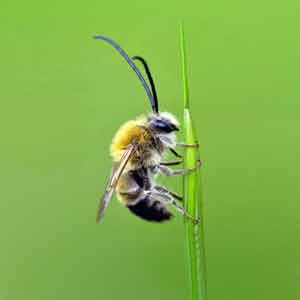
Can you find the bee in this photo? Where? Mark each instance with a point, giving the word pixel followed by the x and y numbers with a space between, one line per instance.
pixel 137 151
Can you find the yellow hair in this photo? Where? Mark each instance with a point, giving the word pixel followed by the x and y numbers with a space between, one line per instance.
pixel 127 133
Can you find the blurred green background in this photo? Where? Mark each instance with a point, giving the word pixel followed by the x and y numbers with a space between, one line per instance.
pixel 63 95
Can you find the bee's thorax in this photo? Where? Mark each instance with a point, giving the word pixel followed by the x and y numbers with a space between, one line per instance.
pixel 151 144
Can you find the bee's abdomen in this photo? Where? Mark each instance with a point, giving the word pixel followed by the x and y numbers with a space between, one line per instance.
pixel 149 210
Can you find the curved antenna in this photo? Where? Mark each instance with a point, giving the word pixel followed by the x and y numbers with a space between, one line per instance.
pixel 133 66
pixel 150 78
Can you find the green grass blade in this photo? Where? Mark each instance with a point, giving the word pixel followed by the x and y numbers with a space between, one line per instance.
pixel 192 194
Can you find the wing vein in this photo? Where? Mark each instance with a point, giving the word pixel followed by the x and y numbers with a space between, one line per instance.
pixel 113 181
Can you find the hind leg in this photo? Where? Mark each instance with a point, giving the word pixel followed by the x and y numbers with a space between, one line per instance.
pixel 163 195
pixel 182 211
pixel 162 189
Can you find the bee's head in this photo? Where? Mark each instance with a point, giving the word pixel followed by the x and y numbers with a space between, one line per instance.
pixel 163 123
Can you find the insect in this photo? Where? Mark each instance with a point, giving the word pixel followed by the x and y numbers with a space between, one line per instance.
pixel 137 150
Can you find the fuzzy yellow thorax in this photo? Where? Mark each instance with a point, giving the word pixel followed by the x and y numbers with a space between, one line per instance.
pixel 127 133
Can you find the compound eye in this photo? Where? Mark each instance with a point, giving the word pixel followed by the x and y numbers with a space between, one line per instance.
pixel 161 125
pixel 164 126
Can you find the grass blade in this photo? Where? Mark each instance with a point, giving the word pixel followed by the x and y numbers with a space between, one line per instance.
pixel 192 194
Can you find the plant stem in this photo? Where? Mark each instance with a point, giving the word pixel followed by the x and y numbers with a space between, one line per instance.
pixel 192 194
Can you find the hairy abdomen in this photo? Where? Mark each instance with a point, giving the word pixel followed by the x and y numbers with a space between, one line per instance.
pixel 149 210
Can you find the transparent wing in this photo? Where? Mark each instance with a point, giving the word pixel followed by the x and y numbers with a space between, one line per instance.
pixel 112 182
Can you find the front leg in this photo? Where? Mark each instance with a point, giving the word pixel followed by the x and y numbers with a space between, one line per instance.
pixel 175 153
pixel 171 163
pixel 183 145
pixel 196 145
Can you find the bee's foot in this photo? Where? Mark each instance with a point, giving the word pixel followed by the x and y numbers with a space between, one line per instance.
pixel 196 221
pixel 198 163
pixel 196 145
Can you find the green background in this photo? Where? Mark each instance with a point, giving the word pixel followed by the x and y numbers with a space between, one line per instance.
pixel 63 95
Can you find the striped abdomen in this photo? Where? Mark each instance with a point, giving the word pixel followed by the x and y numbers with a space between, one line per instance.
pixel 133 196
pixel 150 210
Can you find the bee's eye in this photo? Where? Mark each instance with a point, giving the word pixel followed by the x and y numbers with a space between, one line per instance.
pixel 163 126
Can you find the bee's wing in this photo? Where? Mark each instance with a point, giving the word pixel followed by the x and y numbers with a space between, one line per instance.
pixel 113 180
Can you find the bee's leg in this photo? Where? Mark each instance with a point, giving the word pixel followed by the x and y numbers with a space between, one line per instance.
pixel 165 190
pixel 166 198
pixel 169 172
pixel 171 163
pixel 182 211
pixel 196 145
pixel 175 153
